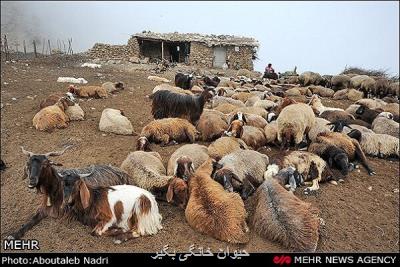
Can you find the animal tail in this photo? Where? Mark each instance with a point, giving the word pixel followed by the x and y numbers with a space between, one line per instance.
pixel 147 214
pixel 281 216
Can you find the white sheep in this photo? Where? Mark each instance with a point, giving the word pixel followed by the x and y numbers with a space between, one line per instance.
pixel 384 124
pixel 146 170
pixel 75 113
pixel 113 121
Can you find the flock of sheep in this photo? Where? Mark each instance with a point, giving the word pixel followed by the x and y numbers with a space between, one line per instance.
pixel 232 186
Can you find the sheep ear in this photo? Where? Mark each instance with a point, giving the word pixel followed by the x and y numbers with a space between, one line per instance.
pixel 84 194
pixel 170 192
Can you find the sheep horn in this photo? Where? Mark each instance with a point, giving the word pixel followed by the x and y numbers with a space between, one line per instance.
pixel 25 152
pixel 57 153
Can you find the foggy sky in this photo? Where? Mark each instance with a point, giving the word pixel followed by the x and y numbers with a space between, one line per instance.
pixel 318 36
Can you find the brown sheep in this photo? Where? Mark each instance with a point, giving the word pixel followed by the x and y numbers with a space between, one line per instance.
pixel 213 211
pixel 53 98
pixel 334 115
pixel 211 125
pixel 89 91
pixel 226 108
pixel 168 131
pixel 284 103
pixel 279 215
pixel 53 116
pixel 197 153
pixel 225 145
pixel 251 120
pixel 252 136
pixel 242 96
pixel 254 110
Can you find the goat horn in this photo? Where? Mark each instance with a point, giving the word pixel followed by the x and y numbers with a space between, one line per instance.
pixel 57 153
pixel 25 152
pixel 87 174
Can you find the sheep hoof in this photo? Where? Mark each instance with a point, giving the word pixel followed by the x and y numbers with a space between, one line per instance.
pixel 333 182
pixel 341 180
pixel 135 234
pixel 371 173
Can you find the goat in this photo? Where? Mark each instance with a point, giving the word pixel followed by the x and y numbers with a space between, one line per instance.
pixel 167 104
pixel 183 81
pixel 130 208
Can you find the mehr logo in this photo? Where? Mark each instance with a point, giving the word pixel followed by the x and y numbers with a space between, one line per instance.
pixel 16 244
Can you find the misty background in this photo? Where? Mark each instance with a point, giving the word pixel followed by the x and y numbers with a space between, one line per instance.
pixel 318 36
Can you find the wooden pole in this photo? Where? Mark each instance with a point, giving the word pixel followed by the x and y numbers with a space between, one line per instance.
pixel 162 51
pixel 64 46
pixel 43 46
pixel 24 48
pixel 34 48
pixel 72 51
pixel 49 46
pixel 6 48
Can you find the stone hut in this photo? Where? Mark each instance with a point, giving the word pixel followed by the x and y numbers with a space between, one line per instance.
pixel 210 51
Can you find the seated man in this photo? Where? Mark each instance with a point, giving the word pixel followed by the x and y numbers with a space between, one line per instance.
pixel 270 72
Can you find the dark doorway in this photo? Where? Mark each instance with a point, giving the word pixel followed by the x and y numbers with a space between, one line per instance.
pixel 178 51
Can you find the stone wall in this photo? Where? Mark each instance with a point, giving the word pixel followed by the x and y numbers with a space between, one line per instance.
pixel 106 51
pixel 133 46
pixel 241 59
pixel 201 55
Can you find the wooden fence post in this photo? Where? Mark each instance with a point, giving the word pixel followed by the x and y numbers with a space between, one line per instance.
pixel 24 48
pixel 49 46
pixel 6 48
pixel 34 48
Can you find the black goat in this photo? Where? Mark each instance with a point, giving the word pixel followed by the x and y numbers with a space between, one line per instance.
pixel 167 104
pixel 183 81
pixel 211 82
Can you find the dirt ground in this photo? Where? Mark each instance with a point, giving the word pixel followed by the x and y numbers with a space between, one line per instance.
pixel 361 214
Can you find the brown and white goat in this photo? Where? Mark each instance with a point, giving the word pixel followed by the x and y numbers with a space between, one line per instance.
pixel 131 209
